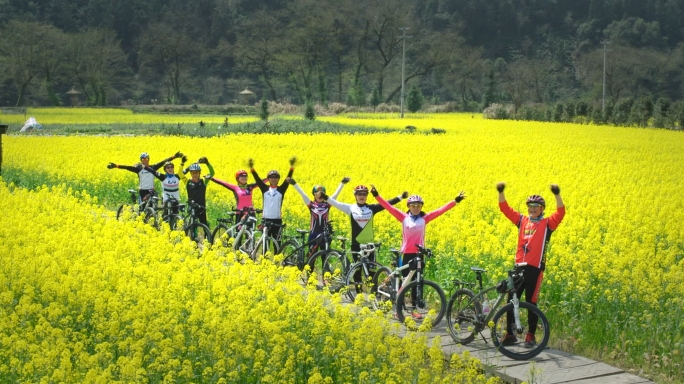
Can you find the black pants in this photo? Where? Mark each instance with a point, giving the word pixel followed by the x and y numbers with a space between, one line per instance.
pixel 409 258
pixel 356 247
pixel 530 285
pixel 276 230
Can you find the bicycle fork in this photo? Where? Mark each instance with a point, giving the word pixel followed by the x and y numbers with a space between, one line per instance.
pixel 516 313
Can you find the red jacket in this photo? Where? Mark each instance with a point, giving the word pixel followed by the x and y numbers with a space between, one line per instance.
pixel 532 236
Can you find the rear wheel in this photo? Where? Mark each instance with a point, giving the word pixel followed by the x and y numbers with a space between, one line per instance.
pixel 418 299
pixel 222 234
pixel 331 273
pixel 462 315
pixel 514 345
pixel 291 253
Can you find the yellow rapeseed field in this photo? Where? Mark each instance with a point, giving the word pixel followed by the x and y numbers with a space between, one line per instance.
pixel 615 277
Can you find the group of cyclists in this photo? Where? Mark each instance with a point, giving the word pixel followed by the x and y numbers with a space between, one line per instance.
pixel 534 230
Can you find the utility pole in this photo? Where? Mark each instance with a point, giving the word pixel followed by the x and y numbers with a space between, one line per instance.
pixel 603 102
pixel 403 62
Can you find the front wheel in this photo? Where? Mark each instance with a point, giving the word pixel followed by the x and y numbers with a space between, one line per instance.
pixel 265 249
pixel 418 299
pixel 359 281
pixel 515 344
pixel 385 294
pixel 200 234
pixel 223 234
pixel 151 216
pixel 463 316
pixel 329 267
pixel 291 252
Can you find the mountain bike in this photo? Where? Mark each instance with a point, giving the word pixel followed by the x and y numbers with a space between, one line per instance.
pixel 466 318
pixel 170 212
pixel 262 243
pixel 416 297
pixel 302 253
pixel 137 206
pixel 359 279
pixel 227 228
pixel 193 228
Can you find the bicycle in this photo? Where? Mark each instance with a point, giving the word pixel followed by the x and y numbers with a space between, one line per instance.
pixel 228 228
pixel 465 316
pixel 359 278
pixel 170 211
pixel 137 206
pixel 193 228
pixel 417 297
pixel 266 246
pixel 295 255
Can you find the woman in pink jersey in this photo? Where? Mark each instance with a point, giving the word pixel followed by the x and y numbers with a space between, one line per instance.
pixel 413 227
pixel 242 191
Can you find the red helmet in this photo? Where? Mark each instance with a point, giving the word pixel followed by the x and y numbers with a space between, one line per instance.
pixel 360 189
pixel 536 199
pixel 239 173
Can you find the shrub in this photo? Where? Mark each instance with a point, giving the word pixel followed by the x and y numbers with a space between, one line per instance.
pixel 415 99
pixel 498 111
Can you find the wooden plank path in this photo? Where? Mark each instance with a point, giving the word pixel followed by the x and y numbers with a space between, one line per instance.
pixel 549 367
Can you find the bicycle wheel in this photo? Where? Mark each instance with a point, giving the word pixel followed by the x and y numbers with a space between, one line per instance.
pixel 332 272
pixel 199 233
pixel 151 217
pixel 243 246
pixel 428 297
pixel 462 314
pixel 126 212
pixel 359 280
pixel 515 348
pixel 266 249
pixel 223 234
pixel 385 295
pixel 174 222
pixel 291 252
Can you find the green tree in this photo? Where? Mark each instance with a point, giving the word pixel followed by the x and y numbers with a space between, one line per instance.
pixel 375 98
pixel 264 112
pixel 415 99
pixel 310 111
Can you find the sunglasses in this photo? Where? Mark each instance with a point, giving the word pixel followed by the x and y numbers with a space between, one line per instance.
pixel 533 205
pixel 415 205
pixel 361 194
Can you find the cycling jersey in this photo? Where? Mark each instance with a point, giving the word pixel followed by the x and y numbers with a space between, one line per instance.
pixel 413 227
pixel 273 196
pixel 197 191
pixel 319 211
pixel 361 220
pixel 533 235
pixel 170 185
pixel 145 177
pixel 243 193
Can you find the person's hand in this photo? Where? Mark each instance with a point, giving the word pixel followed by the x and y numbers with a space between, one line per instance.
pixel 293 160
pixel 500 187
pixel 184 159
pixel 345 180
pixel 177 155
pixel 291 181
pixel 555 189
pixel 203 160
pixel 111 165
pixel 250 163
pixel 207 177
pixel 460 197
pixel 374 191
pixel 404 195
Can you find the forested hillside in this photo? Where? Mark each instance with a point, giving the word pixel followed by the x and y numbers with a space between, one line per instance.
pixel 470 52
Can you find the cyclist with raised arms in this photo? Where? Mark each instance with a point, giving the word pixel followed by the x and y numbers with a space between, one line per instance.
pixel 534 233
pixel 242 191
pixel 170 183
pixel 146 178
pixel 319 208
pixel 361 215
pixel 196 187
pixel 413 229
pixel 273 195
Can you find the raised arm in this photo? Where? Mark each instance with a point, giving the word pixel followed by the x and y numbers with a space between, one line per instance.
pixel 306 198
pixel 557 216
pixel 156 173
pixel 159 164
pixel 344 181
pixel 259 182
pixel 346 208
pixel 394 211
pixel 438 212
pixel 283 187
pixel 510 213
pixel 134 169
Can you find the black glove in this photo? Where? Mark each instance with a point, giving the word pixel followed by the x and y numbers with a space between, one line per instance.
pixel 460 197
pixel 250 163
pixel 184 159
pixel 324 196
pixel 111 165
pixel 345 180
pixel 500 187
pixel 203 160
pixel 177 155
pixel 291 181
pixel 555 189
pixel 374 192
pixel 293 160
pixel 404 195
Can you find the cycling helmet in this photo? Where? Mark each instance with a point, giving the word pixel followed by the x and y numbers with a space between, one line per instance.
pixel 194 167
pixel 168 163
pixel 317 188
pixel 144 155
pixel 414 199
pixel 273 173
pixel 536 199
pixel 239 173
pixel 360 189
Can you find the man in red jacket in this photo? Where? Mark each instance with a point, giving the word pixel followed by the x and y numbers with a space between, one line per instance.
pixel 534 232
